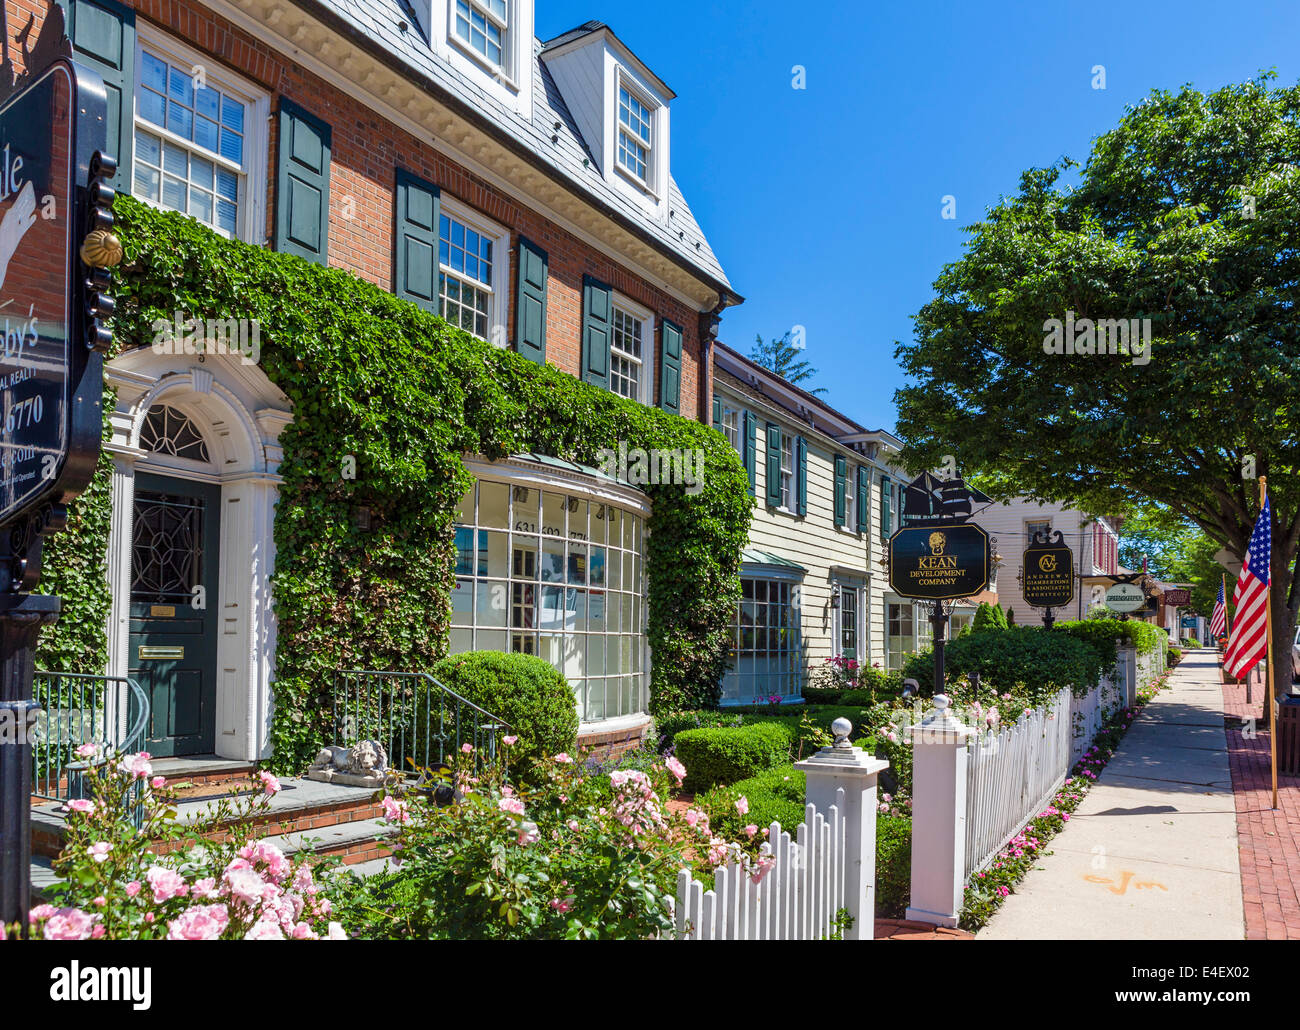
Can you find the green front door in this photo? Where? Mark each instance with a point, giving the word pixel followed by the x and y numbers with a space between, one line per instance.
pixel 174 565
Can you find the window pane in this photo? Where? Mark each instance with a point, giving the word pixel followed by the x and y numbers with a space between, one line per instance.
pixel 152 107
pixel 153 72
pixel 207 102
pixel 174 194
pixel 175 160
pixel 492 501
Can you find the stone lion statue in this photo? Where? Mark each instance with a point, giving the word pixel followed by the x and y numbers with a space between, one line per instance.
pixel 367 758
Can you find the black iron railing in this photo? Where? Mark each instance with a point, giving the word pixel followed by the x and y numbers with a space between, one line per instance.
pixel 77 709
pixel 417 719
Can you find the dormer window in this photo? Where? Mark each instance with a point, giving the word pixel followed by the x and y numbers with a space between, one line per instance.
pixel 634 119
pixel 482 25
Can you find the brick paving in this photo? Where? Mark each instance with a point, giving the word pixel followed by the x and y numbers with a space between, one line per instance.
pixel 908 930
pixel 1266 838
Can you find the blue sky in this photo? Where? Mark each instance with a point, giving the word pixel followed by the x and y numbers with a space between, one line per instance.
pixel 824 204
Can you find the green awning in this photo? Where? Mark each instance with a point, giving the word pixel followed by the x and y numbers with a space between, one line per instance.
pixel 752 556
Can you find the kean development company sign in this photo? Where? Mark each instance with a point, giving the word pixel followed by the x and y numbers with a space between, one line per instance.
pixel 50 378
pixel 939 563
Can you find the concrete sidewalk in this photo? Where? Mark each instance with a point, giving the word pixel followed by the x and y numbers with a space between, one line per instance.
pixel 1151 853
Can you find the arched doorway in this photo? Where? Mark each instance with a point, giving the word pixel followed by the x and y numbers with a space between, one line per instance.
pixel 195 452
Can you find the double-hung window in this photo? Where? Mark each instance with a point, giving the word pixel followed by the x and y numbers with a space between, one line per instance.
pixel 787 471
pixel 1031 528
pixel 197 141
pixel 634 135
pixel 482 25
pixel 731 426
pixel 466 259
pixel 851 501
pixel 626 362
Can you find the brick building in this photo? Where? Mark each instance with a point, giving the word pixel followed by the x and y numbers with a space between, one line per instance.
pixel 521 189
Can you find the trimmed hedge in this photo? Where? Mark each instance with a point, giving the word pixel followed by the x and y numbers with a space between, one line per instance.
pixel 776 795
pixel 527 692
pixel 893 865
pixel 729 754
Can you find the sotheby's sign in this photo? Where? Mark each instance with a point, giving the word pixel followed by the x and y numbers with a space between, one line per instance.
pixel 46 133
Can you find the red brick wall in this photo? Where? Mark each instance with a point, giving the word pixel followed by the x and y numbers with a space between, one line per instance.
pixel 367 151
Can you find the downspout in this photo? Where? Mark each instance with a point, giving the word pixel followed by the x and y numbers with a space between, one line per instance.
pixel 709 323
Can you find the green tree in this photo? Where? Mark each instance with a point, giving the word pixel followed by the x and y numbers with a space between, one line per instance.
pixel 1184 214
pixel 782 357
pixel 1175 550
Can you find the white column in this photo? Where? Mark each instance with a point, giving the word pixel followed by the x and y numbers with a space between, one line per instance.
pixel 121 523
pixel 938 816
pixel 1128 664
pixel 856 771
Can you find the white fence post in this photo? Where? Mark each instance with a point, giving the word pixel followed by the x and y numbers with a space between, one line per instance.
pixel 854 772
pixel 938 815
pixel 1128 665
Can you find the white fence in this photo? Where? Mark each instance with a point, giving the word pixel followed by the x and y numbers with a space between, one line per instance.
pixel 1010 774
pixel 797 899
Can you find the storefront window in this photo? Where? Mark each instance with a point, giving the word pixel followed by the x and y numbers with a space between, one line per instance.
pixel 766 645
pixel 558 575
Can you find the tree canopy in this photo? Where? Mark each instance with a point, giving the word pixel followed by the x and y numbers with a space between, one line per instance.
pixel 1184 214
pixel 782 357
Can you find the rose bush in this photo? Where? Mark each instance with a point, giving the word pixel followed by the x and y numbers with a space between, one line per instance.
pixel 233 887
pixel 578 853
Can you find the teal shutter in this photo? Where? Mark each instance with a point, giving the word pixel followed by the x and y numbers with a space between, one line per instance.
pixel 717 413
pixel 670 369
pixel 415 250
pixel 773 465
pixel 597 314
pixel 530 315
pixel 841 479
pixel 103 37
pixel 751 451
pixel 864 499
pixel 801 473
pixel 302 185
pixel 886 509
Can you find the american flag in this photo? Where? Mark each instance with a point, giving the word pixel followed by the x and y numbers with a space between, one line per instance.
pixel 1249 641
pixel 1219 620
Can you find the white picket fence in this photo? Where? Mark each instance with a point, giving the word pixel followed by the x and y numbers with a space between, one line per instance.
pixel 1011 773
pixel 797 899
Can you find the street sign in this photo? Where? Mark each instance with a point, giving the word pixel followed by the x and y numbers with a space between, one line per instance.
pixel 1125 597
pixel 939 563
pixel 1047 574
pixel 50 417
pixel 929 499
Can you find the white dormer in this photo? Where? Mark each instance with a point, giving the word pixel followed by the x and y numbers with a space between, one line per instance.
pixel 490 42
pixel 621 109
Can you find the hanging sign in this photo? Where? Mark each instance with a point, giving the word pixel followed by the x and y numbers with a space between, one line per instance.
pixel 1047 573
pixel 939 563
pixel 1125 597
pixel 928 499
pixel 50 416
pixel 1177 598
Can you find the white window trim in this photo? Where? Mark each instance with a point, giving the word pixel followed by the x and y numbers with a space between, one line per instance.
pixel 791 508
pixel 252 222
pixel 850 500
pixel 507 71
pixel 740 425
pixel 650 185
pixel 499 307
pixel 649 343
pixel 838 640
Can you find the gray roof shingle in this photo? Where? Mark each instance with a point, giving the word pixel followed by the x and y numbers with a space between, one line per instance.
pixel 379 19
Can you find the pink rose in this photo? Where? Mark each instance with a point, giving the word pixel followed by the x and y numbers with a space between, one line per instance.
pixel 88 751
pixel 166 884
pixel 467 749
pixel 510 740
pixel 676 768
pixel 563 759
pixel 269 783
pixel 69 924
pixel 133 888
pixel 199 923
pixel 99 851
pixel 750 830
pixel 336 933
pixel 82 805
pixel 395 811
pixel 158 782
pixel 513 805
pixel 742 805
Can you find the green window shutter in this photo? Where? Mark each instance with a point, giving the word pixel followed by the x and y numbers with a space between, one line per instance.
pixel 773 465
pixel 530 317
pixel 751 451
pixel 886 509
pixel 864 499
pixel 841 479
pixel 597 314
pixel 801 474
pixel 670 370
pixel 717 413
pixel 302 185
pixel 415 250
pixel 103 37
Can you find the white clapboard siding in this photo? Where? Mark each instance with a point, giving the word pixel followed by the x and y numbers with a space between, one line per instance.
pixel 796 900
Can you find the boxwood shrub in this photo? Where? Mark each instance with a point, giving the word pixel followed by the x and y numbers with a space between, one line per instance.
pixel 893 865
pixel 775 795
pixel 731 753
pixel 527 692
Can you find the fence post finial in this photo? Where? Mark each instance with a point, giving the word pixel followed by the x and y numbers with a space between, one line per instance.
pixel 840 729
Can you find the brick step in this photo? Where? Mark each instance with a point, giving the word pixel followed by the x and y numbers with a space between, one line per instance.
pixel 301 806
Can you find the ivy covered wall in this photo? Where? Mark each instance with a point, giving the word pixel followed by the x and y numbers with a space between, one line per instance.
pixel 379 381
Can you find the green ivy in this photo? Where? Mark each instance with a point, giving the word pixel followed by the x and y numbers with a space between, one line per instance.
pixel 380 380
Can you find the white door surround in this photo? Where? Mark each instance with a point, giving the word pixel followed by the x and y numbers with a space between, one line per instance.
pixel 240 415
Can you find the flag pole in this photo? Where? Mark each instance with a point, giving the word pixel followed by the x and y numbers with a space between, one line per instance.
pixel 1274 710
